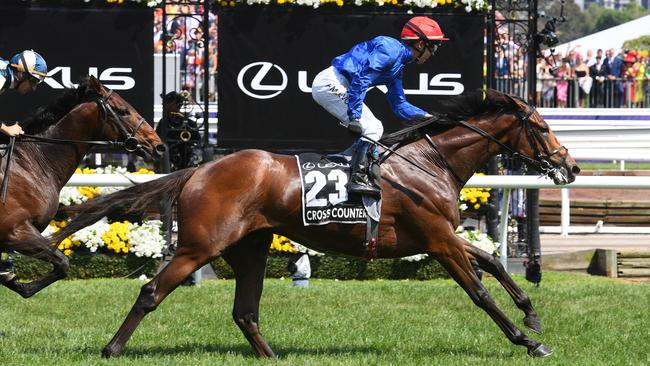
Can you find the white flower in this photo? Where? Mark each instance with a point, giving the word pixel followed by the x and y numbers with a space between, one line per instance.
pixel 415 258
pixel 479 240
pixel 49 230
pixel 146 239
pixel 91 236
pixel 303 249
pixel 71 195
pixel 143 277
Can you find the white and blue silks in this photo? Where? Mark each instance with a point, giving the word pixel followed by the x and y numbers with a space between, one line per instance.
pixel 342 87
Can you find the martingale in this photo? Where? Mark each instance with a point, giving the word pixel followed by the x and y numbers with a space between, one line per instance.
pixel 324 194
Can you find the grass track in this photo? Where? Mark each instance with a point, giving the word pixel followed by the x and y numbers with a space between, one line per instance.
pixel 588 321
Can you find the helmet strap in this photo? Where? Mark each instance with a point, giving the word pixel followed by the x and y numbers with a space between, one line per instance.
pixel 22 61
pixel 423 37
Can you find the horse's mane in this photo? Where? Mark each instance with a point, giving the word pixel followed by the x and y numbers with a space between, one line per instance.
pixel 462 107
pixel 50 115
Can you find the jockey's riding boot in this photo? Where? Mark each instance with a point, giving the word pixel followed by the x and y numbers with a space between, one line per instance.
pixel 359 181
pixel 6 276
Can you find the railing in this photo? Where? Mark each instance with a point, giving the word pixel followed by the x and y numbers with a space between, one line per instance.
pixel 507 182
pixel 598 92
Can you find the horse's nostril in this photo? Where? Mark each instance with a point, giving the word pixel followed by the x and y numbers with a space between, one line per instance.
pixel 575 170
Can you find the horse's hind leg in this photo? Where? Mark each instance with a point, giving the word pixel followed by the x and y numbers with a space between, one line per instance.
pixel 186 261
pixel 28 241
pixel 453 257
pixel 495 268
pixel 248 260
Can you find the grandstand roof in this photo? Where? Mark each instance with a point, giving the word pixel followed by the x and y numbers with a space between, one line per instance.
pixel 609 38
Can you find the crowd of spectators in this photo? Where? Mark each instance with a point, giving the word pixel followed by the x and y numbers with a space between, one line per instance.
pixel 579 78
pixel 184 34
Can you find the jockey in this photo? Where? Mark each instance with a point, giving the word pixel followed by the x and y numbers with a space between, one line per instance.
pixel 23 73
pixel 341 88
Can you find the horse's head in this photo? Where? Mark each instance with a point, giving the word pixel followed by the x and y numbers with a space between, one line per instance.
pixel 125 124
pixel 535 143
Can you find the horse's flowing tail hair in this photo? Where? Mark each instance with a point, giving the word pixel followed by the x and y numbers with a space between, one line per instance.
pixel 131 201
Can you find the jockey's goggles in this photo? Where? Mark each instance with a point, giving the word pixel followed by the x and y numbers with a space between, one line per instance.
pixel 433 45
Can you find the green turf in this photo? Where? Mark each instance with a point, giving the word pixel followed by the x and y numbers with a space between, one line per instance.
pixel 588 321
pixel 613 166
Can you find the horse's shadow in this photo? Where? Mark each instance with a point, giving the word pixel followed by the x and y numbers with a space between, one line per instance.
pixel 244 350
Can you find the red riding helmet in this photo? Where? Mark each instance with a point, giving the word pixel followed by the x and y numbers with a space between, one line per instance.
pixel 423 28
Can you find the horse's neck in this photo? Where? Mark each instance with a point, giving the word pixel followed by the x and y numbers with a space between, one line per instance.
pixel 465 150
pixel 63 159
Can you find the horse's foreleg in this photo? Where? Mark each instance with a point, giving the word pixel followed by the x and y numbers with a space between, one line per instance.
pixel 30 243
pixel 453 257
pixel 153 293
pixel 495 268
pixel 248 260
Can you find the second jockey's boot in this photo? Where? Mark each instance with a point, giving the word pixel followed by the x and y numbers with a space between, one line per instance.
pixel 359 181
pixel 6 276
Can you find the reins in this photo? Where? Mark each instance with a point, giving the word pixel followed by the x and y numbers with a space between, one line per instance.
pixel 46 140
pixel 542 165
pixel 130 143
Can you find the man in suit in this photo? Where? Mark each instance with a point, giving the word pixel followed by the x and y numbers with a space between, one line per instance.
pixel 598 71
pixel 614 86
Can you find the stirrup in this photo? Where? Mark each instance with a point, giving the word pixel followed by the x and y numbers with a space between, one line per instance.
pixel 354 187
pixel 7 277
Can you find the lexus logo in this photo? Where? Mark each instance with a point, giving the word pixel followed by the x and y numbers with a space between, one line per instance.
pixel 255 87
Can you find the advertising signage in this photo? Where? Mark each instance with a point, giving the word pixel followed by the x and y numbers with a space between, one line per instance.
pixel 268 59
pixel 115 45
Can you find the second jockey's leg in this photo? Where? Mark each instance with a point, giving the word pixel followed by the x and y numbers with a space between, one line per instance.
pixel 330 90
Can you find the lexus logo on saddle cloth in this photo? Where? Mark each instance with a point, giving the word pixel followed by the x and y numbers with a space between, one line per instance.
pixel 252 78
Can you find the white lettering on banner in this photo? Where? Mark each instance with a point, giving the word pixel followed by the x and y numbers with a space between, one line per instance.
pixel 439 84
pixel 256 81
pixel 436 81
pixel 108 77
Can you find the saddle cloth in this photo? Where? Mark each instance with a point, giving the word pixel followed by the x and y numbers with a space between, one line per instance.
pixel 324 194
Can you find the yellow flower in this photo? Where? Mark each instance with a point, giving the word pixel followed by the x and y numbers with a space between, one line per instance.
pixel 144 171
pixel 282 244
pixel 68 252
pixel 116 237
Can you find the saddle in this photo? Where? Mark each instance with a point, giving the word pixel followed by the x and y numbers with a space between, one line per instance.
pixel 325 198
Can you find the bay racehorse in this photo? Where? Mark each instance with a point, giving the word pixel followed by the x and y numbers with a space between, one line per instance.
pixel 56 140
pixel 231 207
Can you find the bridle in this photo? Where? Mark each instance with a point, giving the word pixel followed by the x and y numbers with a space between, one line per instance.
pixel 130 143
pixel 542 162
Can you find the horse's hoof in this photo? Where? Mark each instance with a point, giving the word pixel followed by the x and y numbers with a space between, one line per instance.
pixel 534 323
pixel 110 351
pixel 540 351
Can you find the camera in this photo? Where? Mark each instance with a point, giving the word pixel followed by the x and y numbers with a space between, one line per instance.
pixel 180 131
pixel 547 35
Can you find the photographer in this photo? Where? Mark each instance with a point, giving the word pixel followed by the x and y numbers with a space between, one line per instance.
pixel 179 131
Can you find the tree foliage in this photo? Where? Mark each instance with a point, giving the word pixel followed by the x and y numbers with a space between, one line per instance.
pixel 594 19
pixel 641 43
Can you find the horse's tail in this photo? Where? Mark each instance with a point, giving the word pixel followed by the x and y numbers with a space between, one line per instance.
pixel 131 201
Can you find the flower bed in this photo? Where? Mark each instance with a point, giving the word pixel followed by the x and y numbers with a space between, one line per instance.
pixel 120 237
pixel 115 249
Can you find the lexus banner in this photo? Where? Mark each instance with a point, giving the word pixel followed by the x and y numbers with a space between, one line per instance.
pixel 115 45
pixel 268 59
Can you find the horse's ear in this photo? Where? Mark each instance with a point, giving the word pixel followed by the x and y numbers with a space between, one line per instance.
pixel 94 83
